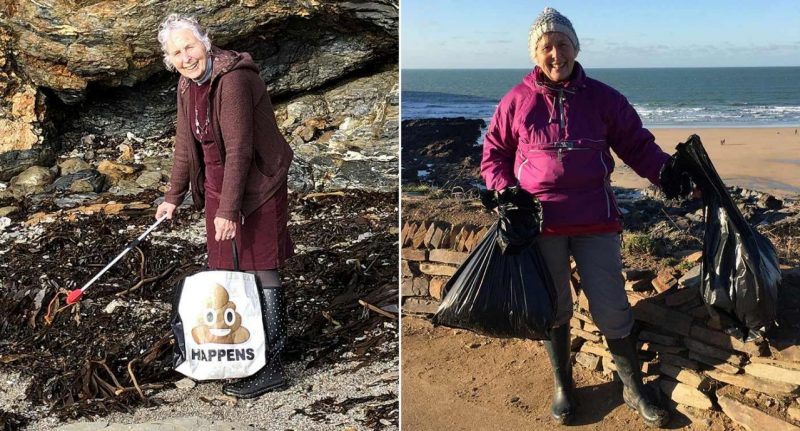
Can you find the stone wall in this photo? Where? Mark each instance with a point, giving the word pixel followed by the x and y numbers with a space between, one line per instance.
pixel 432 250
pixel 684 351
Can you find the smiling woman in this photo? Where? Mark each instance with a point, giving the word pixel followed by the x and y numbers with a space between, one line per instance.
pixel 552 135
pixel 187 54
pixel 229 150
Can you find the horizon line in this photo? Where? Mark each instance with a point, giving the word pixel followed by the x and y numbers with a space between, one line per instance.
pixel 592 67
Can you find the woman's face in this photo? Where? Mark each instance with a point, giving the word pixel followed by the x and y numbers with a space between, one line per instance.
pixel 187 53
pixel 555 55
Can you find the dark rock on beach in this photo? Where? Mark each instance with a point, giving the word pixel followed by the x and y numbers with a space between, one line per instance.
pixel 442 152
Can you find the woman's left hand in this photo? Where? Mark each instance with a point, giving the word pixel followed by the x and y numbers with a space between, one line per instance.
pixel 224 229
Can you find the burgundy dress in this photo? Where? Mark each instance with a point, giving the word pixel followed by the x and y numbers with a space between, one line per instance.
pixel 262 238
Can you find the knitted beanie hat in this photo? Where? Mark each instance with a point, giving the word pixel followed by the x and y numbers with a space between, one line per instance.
pixel 547 21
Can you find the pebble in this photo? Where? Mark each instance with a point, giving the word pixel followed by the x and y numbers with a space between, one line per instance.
pixel 113 306
pixel 4 223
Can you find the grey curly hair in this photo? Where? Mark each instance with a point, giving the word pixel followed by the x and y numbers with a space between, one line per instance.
pixel 178 22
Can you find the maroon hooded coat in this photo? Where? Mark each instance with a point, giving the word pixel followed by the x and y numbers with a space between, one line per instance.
pixel 255 155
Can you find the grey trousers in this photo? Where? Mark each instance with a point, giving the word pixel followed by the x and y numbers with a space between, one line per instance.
pixel 599 261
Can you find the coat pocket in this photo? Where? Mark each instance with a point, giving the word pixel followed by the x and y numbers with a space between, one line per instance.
pixel 562 169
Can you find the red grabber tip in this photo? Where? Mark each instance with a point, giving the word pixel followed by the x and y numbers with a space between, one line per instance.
pixel 74 296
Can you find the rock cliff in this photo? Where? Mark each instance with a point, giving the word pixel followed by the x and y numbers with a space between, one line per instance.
pixel 80 71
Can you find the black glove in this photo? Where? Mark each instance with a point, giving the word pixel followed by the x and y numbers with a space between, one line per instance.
pixel 520 218
pixel 676 182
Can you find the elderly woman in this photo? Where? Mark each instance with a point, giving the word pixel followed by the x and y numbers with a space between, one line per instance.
pixel 551 135
pixel 229 150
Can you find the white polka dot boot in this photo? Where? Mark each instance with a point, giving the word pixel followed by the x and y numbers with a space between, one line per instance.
pixel 271 377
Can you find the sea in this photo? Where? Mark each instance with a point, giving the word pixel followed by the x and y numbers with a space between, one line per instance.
pixel 663 97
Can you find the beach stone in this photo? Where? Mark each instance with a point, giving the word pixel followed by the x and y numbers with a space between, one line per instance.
pixel 115 171
pixel 87 180
pixel 87 140
pixel 149 180
pixel 72 165
pixel 82 186
pixel 185 383
pixel 288 122
pixel 126 152
pixel 9 210
pixel 74 200
pixel 769 202
pixel 113 306
pixel 32 180
pixel 4 223
pixel 125 188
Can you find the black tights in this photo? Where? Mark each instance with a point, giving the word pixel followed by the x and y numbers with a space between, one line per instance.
pixel 268 279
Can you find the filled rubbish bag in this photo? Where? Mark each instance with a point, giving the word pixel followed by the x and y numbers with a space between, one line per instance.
pixel 501 294
pixel 520 219
pixel 740 276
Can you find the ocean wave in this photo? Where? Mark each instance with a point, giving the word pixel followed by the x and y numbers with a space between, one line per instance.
pixel 651 115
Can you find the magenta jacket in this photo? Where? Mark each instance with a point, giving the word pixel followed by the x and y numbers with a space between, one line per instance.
pixel 554 140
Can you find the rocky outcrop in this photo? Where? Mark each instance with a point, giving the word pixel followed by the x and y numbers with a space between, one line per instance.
pixel 67 46
pixel 443 152
pixel 346 136
pixel 75 68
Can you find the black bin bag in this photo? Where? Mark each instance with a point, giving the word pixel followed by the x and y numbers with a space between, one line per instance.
pixel 503 288
pixel 740 276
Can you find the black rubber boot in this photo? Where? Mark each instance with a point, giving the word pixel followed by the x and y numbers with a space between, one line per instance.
pixel 558 350
pixel 270 377
pixel 636 395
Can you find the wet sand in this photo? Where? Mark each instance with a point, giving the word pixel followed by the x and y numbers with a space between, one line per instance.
pixel 764 159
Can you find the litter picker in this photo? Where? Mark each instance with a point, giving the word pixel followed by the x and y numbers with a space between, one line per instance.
pixel 76 294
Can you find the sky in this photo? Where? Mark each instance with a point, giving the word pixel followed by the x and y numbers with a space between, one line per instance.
pixel 478 34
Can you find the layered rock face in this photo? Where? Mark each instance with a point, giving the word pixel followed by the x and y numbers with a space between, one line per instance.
pixel 72 69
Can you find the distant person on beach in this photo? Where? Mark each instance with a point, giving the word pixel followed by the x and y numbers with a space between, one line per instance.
pixel 552 135
pixel 229 149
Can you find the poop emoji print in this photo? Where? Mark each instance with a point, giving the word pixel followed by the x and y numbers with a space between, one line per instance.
pixel 222 326
pixel 219 322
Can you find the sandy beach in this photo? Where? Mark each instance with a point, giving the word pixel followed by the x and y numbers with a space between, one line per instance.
pixel 764 159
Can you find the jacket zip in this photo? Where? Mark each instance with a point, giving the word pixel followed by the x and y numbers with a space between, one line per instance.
pixel 561 123
pixel 519 170
pixel 608 202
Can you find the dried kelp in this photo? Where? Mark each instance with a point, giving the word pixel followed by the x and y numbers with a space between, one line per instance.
pixel 112 351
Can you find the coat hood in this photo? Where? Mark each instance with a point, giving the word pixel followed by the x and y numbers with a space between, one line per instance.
pixel 224 61
pixel 537 80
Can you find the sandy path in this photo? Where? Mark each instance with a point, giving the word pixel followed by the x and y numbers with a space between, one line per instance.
pixel 456 380
pixel 764 159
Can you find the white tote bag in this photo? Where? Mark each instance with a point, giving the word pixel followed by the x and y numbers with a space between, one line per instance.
pixel 218 327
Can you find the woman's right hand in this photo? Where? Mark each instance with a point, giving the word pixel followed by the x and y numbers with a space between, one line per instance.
pixel 165 209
